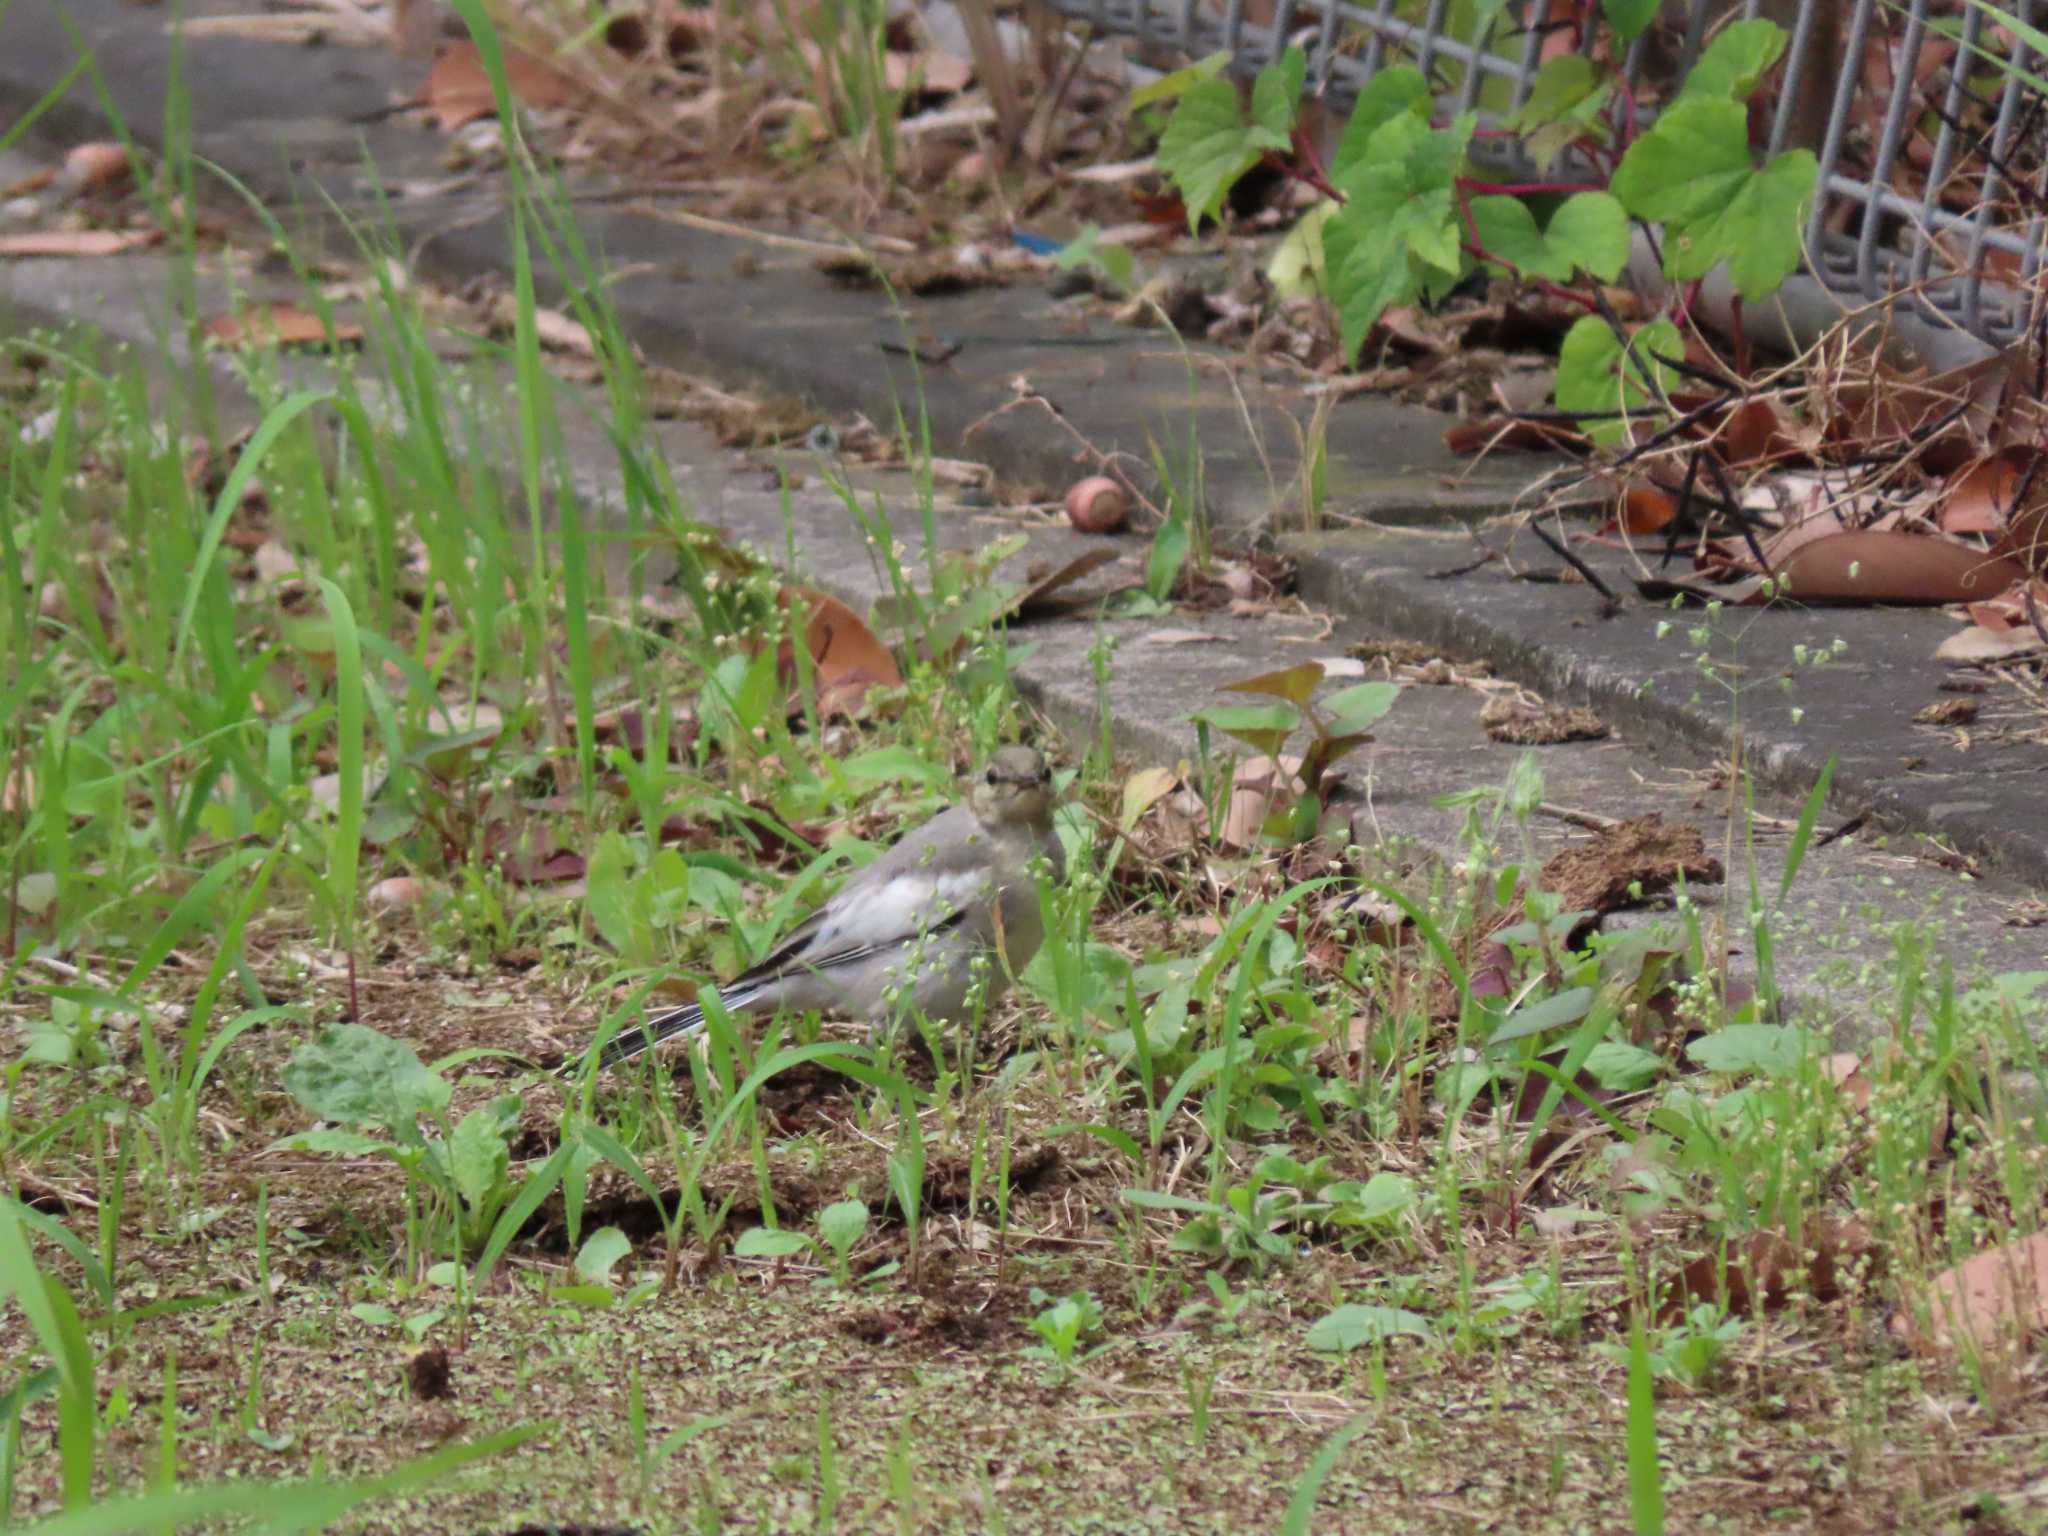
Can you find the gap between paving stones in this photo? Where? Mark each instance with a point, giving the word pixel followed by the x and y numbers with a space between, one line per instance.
pixel 289 122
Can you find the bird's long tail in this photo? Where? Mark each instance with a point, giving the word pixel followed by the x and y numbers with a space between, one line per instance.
pixel 676 1023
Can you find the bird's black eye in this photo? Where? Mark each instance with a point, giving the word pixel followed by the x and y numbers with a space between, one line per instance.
pixel 990 776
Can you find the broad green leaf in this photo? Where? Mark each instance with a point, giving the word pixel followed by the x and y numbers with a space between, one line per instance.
pixel 842 1223
pixel 601 1253
pixel 1692 171
pixel 1262 727
pixel 769 1243
pixel 1769 1050
pixel 1507 233
pixel 356 1076
pixel 1399 231
pixel 336 1143
pixel 1171 87
pixel 1208 145
pixel 1296 269
pixel 1591 232
pixel 1276 95
pixel 1596 373
pixel 1356 708
pixel 1088 249
pixel 1383 1195
pixel 888 765
pixel 1734 63
pixel 1357 1323
pixel 1560 1008
pixel 1564 88
pixel 609 897
pixel 1622 1068
pixel 1398 92
pixel 1630 17
pixel 1689 165
pixel 1171 542
pixel 478 1158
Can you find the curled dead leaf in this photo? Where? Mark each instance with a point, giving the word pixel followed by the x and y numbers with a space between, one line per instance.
pixel 279 325
pixel 1261 787
pixel 92 168
pixel 846 657
pixel 458 89
pixel 1764 1270
pixel 1867 566
pixel 1143 790
pixel 77 242
pixel 1645 510
pixel 1993 492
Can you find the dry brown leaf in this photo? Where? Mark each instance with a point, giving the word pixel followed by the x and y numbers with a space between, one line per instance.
pixel 1759 429
pixel 458 90
pixel 1260 787
pixel 1143 790
pixel 934 72
pixel 1045 597
pixel 1845 1071
pixel 1760 1268
pixel 1646 510
pixel 76 242
pixel 1868 566
pixel 1984 497
pixel 279 325
pixel 846 657
pixel 1947 712
pixel 93 168
pixel 1989 1296
pixel 1979 644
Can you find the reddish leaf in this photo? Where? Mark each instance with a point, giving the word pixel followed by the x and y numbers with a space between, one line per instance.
pixel 1985 497
pixel 279 325
pixel 846 657
pixel 1646 510
pixel 1892 567
pixel 1760 1269
pixel 1988 1297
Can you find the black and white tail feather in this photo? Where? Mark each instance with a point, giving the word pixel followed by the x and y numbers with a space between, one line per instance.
pixel 737 996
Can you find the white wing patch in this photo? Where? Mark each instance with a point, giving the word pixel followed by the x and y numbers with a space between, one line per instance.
pixel 899 910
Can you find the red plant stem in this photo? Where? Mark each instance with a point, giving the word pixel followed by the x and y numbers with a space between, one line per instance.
pixel 1517 188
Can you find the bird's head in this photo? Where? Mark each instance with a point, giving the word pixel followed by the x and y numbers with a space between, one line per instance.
pixel 1015 787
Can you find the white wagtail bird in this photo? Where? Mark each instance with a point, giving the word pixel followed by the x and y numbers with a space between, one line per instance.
pixel 916 930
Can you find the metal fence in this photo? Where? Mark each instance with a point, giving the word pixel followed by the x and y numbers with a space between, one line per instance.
pixel 1969 248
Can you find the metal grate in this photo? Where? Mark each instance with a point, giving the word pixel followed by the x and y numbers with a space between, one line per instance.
pixel 1968 250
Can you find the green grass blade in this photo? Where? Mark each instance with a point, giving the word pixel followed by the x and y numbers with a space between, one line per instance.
pixel 1302 1507
pixel 1645 1479
pixel 1802 835
pixel 267 432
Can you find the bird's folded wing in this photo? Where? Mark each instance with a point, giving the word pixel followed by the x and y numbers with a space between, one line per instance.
pixel 870 917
